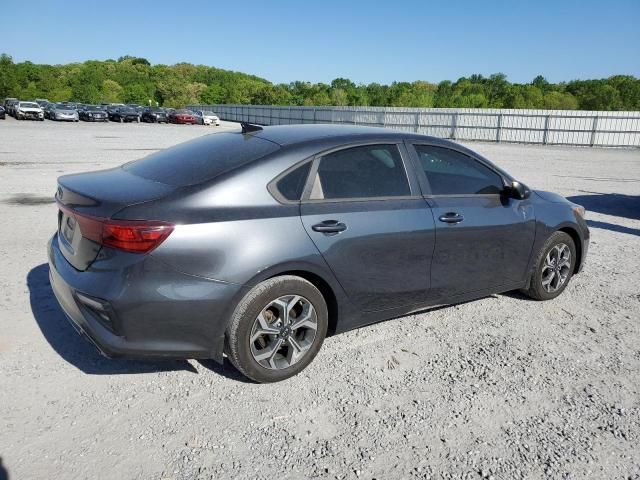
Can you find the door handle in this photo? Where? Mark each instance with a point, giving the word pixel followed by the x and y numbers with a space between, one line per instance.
pixel 329 227
pixel 451 217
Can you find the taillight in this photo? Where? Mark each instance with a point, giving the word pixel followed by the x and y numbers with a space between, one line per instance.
pixel 137 236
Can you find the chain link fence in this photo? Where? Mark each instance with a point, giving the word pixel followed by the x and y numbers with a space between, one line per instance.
pixel 546 127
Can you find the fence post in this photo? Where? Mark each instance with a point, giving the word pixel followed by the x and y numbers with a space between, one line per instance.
pixel 499 132
pixel 546 130
pixel 454 125
pixel 594 129
pixel 417 125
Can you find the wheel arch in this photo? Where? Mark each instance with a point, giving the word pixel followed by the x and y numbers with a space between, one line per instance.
pixel 325 289
pixel 577 241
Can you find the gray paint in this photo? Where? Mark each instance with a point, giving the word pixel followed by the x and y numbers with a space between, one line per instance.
pixel 395 255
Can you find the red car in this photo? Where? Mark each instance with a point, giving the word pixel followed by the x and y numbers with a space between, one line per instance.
pixel 182 116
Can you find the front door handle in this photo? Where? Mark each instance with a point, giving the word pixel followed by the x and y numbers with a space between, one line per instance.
pixel 451 217
pixel 329 227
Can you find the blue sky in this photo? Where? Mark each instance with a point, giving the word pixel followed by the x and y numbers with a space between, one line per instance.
pixel 366 41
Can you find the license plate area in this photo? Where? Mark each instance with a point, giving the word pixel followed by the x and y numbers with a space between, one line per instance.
pixel 67 227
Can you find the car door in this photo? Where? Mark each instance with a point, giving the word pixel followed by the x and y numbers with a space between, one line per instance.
pixel 483 236
pixel 366 217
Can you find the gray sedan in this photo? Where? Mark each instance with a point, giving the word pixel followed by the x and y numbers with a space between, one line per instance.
pixel 259 243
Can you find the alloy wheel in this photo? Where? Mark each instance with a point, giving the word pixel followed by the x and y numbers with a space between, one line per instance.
pixel 283 332
pixel 556 267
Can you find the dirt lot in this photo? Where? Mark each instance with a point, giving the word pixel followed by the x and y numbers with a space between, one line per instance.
pixel 499 388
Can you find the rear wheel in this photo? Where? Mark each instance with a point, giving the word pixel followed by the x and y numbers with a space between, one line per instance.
pixel 277 329
pixel 553 268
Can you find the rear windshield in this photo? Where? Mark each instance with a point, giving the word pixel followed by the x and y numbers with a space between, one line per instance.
pixel 201 159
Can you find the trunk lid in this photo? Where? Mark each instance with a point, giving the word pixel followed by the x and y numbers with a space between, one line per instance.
pixel 97 194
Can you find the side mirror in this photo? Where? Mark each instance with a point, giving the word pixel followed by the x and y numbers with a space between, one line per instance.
pixel 518 190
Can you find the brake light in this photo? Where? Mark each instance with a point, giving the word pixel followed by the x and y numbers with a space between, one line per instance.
pixel 136 236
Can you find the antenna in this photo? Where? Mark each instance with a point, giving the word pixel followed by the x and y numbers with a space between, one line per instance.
pixel 250 127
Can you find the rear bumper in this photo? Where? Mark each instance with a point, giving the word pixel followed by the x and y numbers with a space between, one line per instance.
pixel 153 310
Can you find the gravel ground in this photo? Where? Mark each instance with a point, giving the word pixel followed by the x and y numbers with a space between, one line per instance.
pixel 500 388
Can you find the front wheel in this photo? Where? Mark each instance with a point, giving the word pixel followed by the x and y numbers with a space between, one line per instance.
pixel 554 267
pixel 277 329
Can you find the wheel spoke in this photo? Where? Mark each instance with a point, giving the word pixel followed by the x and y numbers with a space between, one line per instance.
pixel 306 321
pixel 290 304
pixel 296 351
pixel 546 283
pixel 548 261
pixel 263 328
pixel 269 352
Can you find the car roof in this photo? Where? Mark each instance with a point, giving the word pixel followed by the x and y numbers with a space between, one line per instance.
pixel 324 136
pixel 289 135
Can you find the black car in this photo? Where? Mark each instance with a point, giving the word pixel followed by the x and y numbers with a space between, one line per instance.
pixel 3 115
pixel 123 114
pixel 257 243
pixel 154 115
pixel 93 113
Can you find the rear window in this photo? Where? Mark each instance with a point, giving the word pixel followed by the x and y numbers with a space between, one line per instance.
pixel 201 159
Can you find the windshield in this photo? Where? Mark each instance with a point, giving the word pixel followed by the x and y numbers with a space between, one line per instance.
pixel 208 113
pixel 127 110
pixel 184 112
pixel 62 106
pixel 29 105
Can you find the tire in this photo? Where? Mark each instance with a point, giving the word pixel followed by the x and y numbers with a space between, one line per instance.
pixel 260 301
pixel 557 278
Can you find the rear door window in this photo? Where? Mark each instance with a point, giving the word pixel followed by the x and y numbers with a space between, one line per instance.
pixel 369 171
pixel 202 159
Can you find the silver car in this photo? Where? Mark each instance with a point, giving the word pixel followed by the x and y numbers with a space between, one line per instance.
pixel 61 111
pixel 207 117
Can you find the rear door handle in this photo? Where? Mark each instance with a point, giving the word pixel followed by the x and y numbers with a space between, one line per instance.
pixel 451 217
pixel 329 227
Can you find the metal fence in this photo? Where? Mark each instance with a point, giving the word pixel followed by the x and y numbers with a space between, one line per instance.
pixel 547 127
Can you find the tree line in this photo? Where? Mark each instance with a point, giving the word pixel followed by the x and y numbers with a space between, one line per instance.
pixel 134 80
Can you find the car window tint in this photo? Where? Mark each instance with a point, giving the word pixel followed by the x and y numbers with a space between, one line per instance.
pixel 361 172
pixel 453 173
pixel 290 186
pixel 202 159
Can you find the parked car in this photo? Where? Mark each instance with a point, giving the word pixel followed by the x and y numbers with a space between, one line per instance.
pixel 48 109
pixel 206 117
pixel 8 100
pixel 182 116
pixel 123 114
pixel 43 102
pixel 63 112
pixel 258 243
pixel 154 115
pixel 29 111
pixel 10 106
pixel 93 113
pixel 3 114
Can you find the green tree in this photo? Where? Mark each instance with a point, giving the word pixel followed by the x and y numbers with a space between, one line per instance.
pixel 560 101
pixel 111 92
